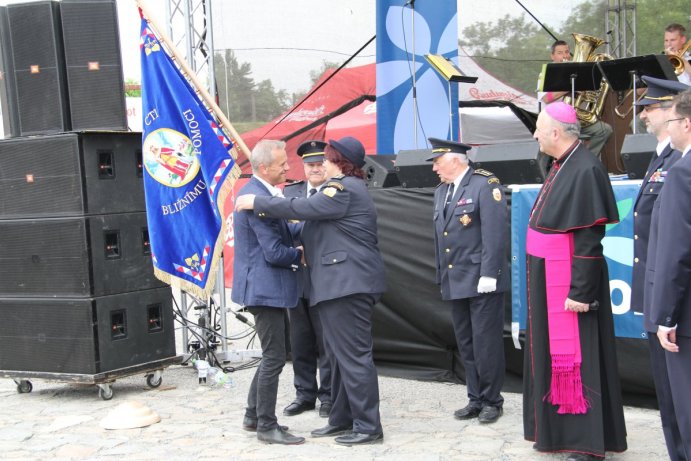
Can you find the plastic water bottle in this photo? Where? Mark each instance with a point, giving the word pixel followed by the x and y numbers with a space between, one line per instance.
pixel 224 379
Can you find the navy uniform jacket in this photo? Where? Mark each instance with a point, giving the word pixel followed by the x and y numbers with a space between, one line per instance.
pixel 471 241
pixel 340 237
pixel 299 190
pixel 650 189
pixel 264 263
pixel 669 252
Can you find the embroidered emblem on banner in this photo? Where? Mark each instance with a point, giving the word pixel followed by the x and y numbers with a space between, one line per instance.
pixel 169 157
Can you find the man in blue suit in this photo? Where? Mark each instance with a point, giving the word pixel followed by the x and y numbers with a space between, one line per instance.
pixel 470 224
pixel 669 271
pixel 657 106
pixel 265 282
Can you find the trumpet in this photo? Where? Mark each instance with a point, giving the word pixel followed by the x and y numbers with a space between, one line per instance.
pixel 677 58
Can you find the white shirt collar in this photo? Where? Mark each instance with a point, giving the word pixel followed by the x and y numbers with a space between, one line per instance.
pixel 457 181
pixel 662 144
pixel 273 190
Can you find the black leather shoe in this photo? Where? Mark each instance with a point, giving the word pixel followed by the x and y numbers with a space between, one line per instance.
pixel 330 431
pixel 325 410
pixel 470 411
pixel 357 438
pixel 279 436
pixel 250 424
pixel 297 407
pixel 581 457
pixel 489 414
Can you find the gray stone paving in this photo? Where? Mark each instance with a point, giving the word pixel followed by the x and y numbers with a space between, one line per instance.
pixel 60 421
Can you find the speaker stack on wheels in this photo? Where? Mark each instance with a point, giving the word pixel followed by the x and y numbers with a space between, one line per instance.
pixel 77 289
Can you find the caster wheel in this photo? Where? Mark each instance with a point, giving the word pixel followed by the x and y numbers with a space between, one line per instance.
pixel 24 387
pixel 154 381
pixel 105 392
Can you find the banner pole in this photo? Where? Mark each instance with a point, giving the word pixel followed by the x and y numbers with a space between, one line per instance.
pixel 189 73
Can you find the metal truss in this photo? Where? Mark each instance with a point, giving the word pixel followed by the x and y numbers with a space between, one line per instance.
pixel 620 25
pixel 190 29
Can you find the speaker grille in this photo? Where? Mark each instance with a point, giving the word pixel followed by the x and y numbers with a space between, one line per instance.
pixel 94 66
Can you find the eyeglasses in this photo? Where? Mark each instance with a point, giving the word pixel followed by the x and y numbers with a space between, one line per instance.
pixel 674 120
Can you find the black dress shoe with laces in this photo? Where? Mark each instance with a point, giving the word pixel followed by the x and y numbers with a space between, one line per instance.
pixel 330 431
pixel 489 414
pixel 357 438
pixel 279 436
pixel 470 411
pixel 297 407
pixel 325 410
pixel 581 457
pixel 250 424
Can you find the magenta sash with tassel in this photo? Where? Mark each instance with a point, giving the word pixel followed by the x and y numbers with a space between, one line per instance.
pixel 566 388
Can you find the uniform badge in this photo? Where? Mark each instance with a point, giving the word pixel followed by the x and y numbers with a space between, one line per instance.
pixel 496 194
pixel 493 181
pixel 329 191
pixel 465 220
pixel 465 201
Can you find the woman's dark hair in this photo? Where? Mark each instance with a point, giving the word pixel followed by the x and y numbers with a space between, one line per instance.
pixel 347 168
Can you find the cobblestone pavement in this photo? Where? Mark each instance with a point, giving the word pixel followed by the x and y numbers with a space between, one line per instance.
pixel 60 421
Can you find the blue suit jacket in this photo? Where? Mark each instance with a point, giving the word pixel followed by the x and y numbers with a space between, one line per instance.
pixel 299 190
pixel 669 252
pixel 643 210
pixel 265 260
pixel 470 241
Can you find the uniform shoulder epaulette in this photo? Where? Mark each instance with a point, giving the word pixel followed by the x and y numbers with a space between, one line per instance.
pixel 340 176
pixel 296 183
pixel 336 184
pixel 483 172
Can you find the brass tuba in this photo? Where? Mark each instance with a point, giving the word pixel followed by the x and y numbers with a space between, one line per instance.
pixel 589 104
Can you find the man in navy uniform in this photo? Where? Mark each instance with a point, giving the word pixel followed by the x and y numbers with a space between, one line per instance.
pixel 470 224
pixel 306 341
pixel 657 106
pixel 265 282
pixel 669 270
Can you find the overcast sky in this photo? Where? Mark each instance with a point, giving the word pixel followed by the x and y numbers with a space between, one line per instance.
pixel 285 40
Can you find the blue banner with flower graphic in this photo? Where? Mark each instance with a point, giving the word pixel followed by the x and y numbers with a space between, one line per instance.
pixel 617 247
pixel 189 169
pixel 405 34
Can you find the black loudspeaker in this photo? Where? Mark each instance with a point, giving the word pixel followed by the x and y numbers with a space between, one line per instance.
pixel 71 174
pixel 636 153
pixel 86 336
pixel 379 171
pixel 95 83
pixel 8 102
pixel 514 163
pixel 39 69
pixel 413 169
pixel 76 257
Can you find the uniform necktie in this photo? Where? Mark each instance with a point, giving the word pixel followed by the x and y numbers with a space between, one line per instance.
pixel 312 191
pixel 449 199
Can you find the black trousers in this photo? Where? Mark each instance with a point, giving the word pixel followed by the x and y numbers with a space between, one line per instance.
pixel 347 324
pixel 478 324
pixel 307 349
pixel 270 324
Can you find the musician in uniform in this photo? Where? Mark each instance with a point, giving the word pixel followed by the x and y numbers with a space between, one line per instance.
pixel 657 107
pixel 675 41
pixel 307 344
pixel 470 235
pixel 347 278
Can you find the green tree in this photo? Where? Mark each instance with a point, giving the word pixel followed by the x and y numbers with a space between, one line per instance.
pixel 234 86
pixel 268 102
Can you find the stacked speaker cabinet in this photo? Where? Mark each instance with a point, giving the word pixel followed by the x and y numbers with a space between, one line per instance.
pixel 636 153
pixel 65 65
pixel 515 163
pixel 77 289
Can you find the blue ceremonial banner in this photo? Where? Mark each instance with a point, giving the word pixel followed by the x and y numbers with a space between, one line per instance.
pixel 189 169
pixel 617 247
pixel 406 32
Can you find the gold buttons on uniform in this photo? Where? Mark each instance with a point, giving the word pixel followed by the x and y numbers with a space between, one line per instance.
pixel 635 237
pixel 635 260
pixel 446 233
pixel 635 213
pixel 447 250
pixel 450 266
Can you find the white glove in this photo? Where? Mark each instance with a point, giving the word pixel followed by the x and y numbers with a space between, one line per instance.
pixel 486 285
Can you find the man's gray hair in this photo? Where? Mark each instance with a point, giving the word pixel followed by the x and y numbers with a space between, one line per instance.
pixel 262 152
pixel 462 157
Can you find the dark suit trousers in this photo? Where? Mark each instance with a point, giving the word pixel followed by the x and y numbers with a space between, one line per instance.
pixel 347 324
pixel 668 416
pixel 307 349
pixel 478 324
pixel 679 373
pixel 270 324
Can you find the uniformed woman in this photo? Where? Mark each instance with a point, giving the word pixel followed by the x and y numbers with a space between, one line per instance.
pixel 347 277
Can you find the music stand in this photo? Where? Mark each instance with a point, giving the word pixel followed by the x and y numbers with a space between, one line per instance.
pixel 624 74
pixel 451 73
pixel 582 76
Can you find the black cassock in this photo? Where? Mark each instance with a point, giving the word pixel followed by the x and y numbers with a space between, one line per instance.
pixel 576 198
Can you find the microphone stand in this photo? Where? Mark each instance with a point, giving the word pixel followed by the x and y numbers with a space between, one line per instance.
pixel 414 70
